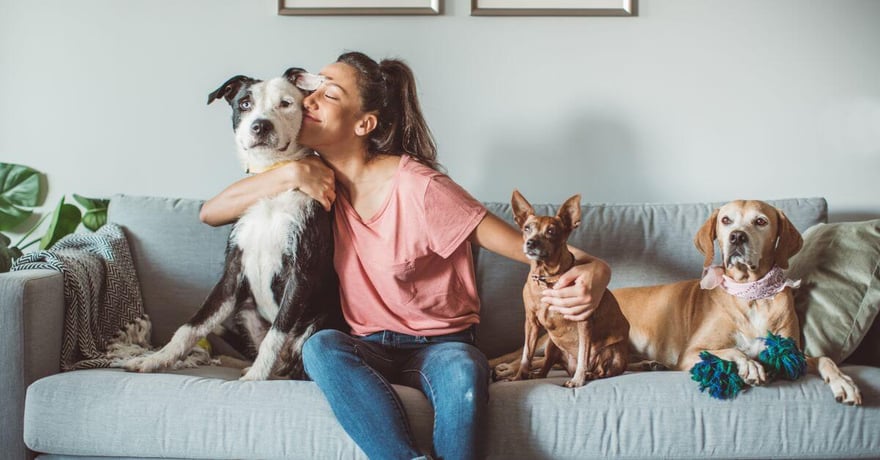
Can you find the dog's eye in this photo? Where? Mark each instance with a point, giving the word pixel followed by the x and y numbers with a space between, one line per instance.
pixel 284 104
pixel 726 220
pixel 245 104
pixel 528 228
pixel 551 232
pixel 760 222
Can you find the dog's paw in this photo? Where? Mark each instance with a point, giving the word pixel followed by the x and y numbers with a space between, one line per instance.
pixel 517 376
pixel 574 383
pixel 144 364
pixel 751 371
pixel 253 374
pixel 845 390
pixel 504 371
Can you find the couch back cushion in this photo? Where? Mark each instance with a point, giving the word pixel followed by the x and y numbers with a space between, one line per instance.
pixel 179 259
pixel 645 244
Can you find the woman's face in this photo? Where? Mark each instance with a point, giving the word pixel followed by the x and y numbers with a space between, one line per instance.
pixel 333 112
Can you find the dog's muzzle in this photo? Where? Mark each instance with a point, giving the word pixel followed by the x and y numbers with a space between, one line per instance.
pixel 738 238
pixel 262 133
pixel 535 250
pixel 261 127
pixel 737 250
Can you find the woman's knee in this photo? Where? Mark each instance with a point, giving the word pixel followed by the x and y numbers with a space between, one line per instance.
pixel 321 346
pixel 461 365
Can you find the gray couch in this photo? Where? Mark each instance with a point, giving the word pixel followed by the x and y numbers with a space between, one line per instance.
pixel 206 413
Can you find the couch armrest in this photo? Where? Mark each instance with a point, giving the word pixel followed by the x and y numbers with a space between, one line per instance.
pixel 31 328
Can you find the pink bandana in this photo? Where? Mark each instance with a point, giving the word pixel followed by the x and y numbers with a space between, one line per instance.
pixel 771 284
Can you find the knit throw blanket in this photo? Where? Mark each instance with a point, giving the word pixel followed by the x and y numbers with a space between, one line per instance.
pixel 104 320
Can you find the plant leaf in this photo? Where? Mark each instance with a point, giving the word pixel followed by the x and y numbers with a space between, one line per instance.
pixel 12 216
pixel 96 211
pixel 20 188
pixel 87 203
pixel 94 219
pixel 64 221
pixel 20 184
pixel 5 254
pixel 8 254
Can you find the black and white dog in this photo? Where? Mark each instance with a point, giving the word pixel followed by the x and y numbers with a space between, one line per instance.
pixel 279 259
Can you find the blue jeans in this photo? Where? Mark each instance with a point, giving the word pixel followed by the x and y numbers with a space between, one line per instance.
pixel 356 373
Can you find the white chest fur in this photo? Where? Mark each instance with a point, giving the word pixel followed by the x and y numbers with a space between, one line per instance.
pixel 752 329
pixel 267 232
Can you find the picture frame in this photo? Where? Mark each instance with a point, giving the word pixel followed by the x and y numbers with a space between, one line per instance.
pixel 358 7
pixel 554 7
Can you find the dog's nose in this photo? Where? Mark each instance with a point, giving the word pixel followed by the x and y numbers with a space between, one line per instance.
pixel 261 126
pixel 531 244
pixel 738 237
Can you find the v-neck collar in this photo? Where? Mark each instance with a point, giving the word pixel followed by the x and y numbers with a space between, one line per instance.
pixel 349 208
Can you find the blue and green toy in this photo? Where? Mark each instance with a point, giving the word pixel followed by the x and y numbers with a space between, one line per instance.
pixel 781 359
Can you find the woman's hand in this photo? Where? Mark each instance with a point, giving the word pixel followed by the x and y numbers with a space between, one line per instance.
pixel 315 179
pixel 578 291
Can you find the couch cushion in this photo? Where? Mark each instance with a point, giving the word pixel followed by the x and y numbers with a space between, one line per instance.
pixel 206 414
pixel 839 298
pixel 96 413
pixel 92 457
pixel 644 244
pixel 178 259
pixel 664 415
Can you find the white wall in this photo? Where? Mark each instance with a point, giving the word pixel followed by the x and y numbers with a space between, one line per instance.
pixel 692 100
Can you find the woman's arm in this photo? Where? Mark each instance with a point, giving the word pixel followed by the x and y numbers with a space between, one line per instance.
pixel 310 175
pixel 499 237
pixel 578 291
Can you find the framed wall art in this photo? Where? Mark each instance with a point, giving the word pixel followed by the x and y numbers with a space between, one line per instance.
pixel 357 7
pixel 553 7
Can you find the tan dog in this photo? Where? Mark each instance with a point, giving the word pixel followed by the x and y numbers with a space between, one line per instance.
pixel 671 324
pixel 590 349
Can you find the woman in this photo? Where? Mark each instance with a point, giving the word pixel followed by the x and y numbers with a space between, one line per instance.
pixel 402 232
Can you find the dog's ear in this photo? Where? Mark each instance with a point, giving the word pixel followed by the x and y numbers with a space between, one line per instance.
pixel 302 79
pixel 570 212
pixel 705 239
pixel 522 209
pixel 229 89
pixel 789 240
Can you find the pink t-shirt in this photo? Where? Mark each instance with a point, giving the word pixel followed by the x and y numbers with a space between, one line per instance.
pixel 409 268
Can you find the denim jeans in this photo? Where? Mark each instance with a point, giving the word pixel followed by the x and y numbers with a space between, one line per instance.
pixel 356 373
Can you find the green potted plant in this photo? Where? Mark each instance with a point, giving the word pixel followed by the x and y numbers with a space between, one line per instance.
pixel 22 191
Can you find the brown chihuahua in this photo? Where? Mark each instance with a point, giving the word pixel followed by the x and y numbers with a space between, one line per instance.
pixel 590 349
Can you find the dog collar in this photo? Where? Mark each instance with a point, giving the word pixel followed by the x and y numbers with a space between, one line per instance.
pixel 550 280
pixel 544 280
pixel 771 284
pixel 251 170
